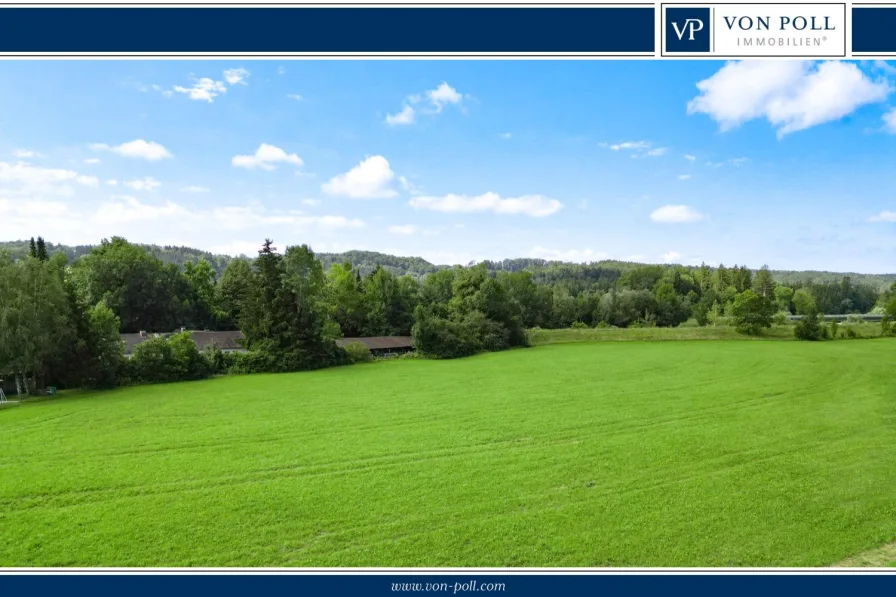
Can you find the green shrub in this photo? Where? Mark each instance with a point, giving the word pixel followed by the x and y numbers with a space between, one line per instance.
pixel 690 323
pixel 852 318
pixel 358 353
pixel 833 326
pixel 849 333
pixel 780 318
pixel 161 360
pixel 579 325
pixel 810 327
pixel 603 325
pixel 886 328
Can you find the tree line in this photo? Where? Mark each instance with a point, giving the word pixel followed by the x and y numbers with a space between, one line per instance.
pixel 60 318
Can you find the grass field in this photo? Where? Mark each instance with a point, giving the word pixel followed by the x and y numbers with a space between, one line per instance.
pixel 540 337
pixel 595 454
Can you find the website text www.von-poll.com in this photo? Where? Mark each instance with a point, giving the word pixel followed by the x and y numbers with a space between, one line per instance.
pixel 470 586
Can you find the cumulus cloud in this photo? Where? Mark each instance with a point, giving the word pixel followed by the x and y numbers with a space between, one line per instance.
pixel 637 148
pixel 792 95
pixel 196 189
pixel 206 89
pixel 676 214
pixel 25 153
pixel 884 216
pixel 91 161
pixel 203 89
pixel 130 217
pixel 432 102
pixel 27 179
pixel 889 119
pixel 370 179
pixel 406 116
pixel 266 157
pixel 690 157
pixel 684 176
pixel 236 76
pixel 671 257
pixel 294 96
pixel 139 148
pixel 572 255
pixel 536 206
pixel 407 229
pixel 143 184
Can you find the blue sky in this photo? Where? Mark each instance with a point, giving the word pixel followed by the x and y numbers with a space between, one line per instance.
pixel 783 163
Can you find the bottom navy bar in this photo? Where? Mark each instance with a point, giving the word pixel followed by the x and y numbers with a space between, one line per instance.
pixel 693 585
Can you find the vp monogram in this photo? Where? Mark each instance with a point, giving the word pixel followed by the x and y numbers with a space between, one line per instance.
pixel 691 26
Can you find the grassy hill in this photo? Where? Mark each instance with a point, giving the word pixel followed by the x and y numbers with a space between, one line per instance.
pixel 601 454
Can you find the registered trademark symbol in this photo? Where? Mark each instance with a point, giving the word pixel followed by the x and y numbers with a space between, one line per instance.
pixel 825 38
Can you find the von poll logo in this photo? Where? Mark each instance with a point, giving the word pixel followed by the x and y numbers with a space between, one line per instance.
pixel 754 30
pixel 688 29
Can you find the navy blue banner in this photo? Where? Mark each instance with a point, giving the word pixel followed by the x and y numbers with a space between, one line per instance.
pixel 331 30
pixel 874 29
pixel 522 585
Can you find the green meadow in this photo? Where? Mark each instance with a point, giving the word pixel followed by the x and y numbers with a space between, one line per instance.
pixel 721 453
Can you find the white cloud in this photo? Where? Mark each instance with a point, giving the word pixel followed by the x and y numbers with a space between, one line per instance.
pixel 442 95
pixel 294 96
pixel 676 214
pixel 281 70
pixel 236 76
pixel 311 202
pixel 671 256
pixel 147 150
pixel 331 222
pixel 143 184
pixel 684 176
pixel 371 179
pixel 407 229
pixel 196 189
pixel 889 119
pixel 572 255
pixel 738 161
pixel 406 116
pixel 884 216
pixel 535 206
pixel 28 179
pixel 92 161
pixel 690 157
pixel 122 210
pixel 112 182
pixel 408 186
pixel 792 95
pixel 436 99
pixel 638 148
pixel 505 135
pixel 266 157
pixel 25 153
pixel 631 145
pixel 203 89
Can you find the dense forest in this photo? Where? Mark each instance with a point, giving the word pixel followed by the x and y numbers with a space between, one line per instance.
pixel 417 267
pixel 62 308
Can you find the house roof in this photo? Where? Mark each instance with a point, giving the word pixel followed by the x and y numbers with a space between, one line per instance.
pixel 223 340
pixel 379 342
pixel 231 341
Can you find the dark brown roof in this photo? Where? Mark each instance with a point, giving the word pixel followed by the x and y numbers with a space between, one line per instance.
pixel 379 342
